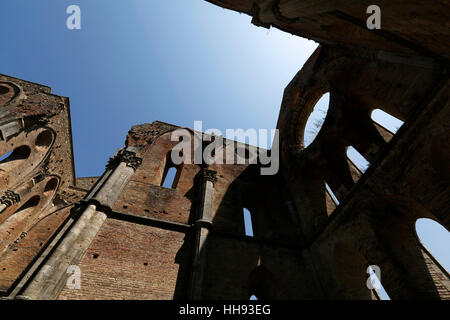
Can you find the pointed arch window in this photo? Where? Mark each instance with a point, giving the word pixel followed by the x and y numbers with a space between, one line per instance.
pixel 387 121
pixel 169 180
pixel 6 156
pixel 332 195
pixel 10 228
pixel 381 292
pixel 357 159
pixel 12 157
pixel 435 238
pixel 248 223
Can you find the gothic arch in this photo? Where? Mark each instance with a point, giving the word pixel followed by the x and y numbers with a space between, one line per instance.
pixel 29 150
pixel 21 216
pixel 409 271
pixel 10 94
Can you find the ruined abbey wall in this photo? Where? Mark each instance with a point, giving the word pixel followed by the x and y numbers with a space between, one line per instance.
pixel 128 237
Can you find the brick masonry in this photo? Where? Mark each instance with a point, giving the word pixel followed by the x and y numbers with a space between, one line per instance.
pixel 134 239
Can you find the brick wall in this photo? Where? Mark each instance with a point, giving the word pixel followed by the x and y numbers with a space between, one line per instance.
pixel 132 261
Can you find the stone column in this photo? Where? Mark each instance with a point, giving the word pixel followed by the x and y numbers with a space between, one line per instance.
pixel 52 276
pixel 202 228
pixel 118 173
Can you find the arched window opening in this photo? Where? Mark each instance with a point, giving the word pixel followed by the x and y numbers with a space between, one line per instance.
pixel 51 186
pixel 436 239
pixel 357 279
pixel 332 195
pixel 11 228
pixel 248 223
pixel 357 159
pixel 5 156
pixel 44 140
pixel 31 203
pixel 6 93
pixel 172 172
pixel 3 90
pixel 386 120
pixel 377 285
pixel 20 153
pixel 316 119
pixel 169 180
pixel 25 209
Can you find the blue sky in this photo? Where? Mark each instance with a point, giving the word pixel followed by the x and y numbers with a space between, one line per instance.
pixel 141 60
pixel 138 61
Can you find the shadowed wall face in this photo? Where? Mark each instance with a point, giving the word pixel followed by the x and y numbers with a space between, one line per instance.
pixel 317 225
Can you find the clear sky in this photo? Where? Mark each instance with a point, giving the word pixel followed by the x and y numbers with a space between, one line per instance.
pixel 138 61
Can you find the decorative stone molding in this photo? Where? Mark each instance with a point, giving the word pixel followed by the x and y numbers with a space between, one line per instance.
pixel 39 177
pixel 124 156
pixel 9 198
pixel 131 160
pixel 11 94
pixel 209 175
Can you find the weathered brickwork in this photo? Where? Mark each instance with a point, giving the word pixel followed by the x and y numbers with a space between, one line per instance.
pixel 133 238
pixel 37 173
pixel 86 183
pixel 132 261
pixel 144 194
pixel 28 245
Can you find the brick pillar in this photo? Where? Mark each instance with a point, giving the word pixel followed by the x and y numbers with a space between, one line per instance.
pixel 51 277
pixel 438 274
